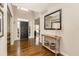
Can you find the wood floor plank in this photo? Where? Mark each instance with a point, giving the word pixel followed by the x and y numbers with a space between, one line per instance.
pixel 28 48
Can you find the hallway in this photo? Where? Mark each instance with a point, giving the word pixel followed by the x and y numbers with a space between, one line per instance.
pixel 28 48
pixel 52 25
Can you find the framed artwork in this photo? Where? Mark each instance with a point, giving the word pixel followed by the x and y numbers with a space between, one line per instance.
pixel 52 21
pixel 1 23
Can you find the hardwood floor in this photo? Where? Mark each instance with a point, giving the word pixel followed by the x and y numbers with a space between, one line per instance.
pixel 27 48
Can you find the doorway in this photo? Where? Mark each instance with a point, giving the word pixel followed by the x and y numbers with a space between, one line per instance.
pixel 23 30
pixel 37 31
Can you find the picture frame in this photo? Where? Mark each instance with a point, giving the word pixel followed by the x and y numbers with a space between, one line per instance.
pixel 1 24
pixel 52 21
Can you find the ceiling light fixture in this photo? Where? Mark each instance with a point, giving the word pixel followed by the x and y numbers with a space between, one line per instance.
pixel 22 8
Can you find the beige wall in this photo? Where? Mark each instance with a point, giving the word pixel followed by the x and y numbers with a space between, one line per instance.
pixel 3 40
pixel 70 31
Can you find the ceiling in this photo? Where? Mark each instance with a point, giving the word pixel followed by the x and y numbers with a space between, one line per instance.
pixel 38 7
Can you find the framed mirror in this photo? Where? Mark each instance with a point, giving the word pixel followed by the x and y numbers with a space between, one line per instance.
pixel 52 21
pixel 1 23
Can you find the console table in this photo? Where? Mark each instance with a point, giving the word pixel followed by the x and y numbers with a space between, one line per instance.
pixel 51 42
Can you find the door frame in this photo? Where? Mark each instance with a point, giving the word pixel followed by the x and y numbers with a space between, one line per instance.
pixel 10 20
pixel 39 26
pixel 18 29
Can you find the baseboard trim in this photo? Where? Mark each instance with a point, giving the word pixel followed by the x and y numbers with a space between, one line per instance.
pixel 59 54
pixel 64 54
pixel 30 38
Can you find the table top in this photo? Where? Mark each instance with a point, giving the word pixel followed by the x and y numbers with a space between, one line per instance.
pixel 52 36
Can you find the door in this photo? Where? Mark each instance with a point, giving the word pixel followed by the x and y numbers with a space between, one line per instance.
pixel 23 30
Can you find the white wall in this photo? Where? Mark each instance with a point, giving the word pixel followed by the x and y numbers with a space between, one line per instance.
pixel 70 31
pixel 3 40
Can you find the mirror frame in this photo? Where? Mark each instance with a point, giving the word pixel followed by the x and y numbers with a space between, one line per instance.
pixel 60 13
